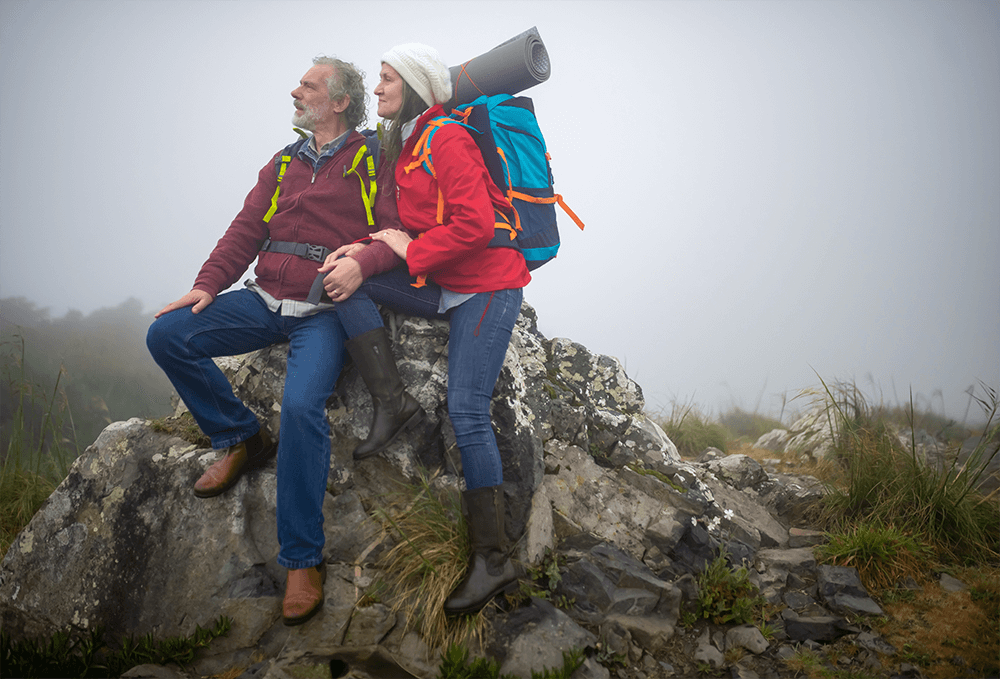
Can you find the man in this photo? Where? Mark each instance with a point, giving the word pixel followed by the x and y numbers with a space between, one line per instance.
pixel 314 202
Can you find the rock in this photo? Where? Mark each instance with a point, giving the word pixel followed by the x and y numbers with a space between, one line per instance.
pixel 592 485
pixel 746 637
pixel 842 590
pixel 951 584
pixel 776 439
pixel 706 652
pixel 536 638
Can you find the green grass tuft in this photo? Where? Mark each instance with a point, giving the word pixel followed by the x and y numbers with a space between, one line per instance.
pixel 89 655
pixel 888 484
pixel 41 447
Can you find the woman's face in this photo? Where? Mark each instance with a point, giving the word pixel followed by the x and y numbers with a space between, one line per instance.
pixel 389 92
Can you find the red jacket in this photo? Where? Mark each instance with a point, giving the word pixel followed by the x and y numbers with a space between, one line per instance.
pixel 454 254
pixel 326 210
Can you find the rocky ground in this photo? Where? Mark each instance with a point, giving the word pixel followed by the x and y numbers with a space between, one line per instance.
pixel 591 482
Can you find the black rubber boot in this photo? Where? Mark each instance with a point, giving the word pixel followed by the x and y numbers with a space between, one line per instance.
pixel 490 569
pixel 395 409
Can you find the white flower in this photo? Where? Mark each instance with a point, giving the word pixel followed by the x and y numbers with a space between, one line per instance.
pixel 729 514
pixel 694 521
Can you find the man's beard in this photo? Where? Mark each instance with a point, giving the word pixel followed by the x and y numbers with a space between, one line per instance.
pixel 306 117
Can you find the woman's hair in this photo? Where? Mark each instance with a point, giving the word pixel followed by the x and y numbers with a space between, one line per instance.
pixel 347 80
pixel 411 107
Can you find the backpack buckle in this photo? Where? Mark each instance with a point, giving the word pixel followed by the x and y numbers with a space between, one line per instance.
pixel 316 253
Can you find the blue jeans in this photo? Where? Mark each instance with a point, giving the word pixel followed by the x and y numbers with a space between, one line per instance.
pixel 477 343
pixel 183 345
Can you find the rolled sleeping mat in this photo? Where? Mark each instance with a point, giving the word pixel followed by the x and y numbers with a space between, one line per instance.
pixel 508 68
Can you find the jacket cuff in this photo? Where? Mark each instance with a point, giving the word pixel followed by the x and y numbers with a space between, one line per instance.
pixel 376 258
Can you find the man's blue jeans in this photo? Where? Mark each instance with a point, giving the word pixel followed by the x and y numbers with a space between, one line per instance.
pixel 480 333
pixel 183 345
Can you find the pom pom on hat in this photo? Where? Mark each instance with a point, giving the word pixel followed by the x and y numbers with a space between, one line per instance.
pixel 422 69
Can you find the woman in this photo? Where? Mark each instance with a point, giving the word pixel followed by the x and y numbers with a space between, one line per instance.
pixel 476 287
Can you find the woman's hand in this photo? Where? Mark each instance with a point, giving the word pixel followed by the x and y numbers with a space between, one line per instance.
pixel 395 238
pixel 348 250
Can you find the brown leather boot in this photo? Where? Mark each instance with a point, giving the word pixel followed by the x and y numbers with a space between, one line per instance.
pixel 395 410
pixel 240 458
pixel 303 594
pixel 490 569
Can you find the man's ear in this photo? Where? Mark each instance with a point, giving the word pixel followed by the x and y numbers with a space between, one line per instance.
pixel 341 106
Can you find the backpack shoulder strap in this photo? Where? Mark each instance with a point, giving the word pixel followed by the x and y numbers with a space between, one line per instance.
pixel 423 157
pixel 373 144
pixel 368 154
pixel 281 162
pixel 422 150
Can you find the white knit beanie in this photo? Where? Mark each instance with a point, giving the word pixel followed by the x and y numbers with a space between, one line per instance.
pixel 422 69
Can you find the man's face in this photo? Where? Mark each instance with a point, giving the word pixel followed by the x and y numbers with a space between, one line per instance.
pixel 312 98
pixel 389 92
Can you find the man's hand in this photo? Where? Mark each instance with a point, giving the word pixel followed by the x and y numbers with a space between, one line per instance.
pixel 343 278
pixel 196 299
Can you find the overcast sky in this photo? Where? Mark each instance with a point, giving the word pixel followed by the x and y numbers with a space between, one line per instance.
pixel 774 192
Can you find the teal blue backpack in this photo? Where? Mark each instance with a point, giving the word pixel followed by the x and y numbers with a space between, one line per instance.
pixel 507 134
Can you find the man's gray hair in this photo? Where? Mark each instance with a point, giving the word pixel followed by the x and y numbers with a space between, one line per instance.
pixel 347 80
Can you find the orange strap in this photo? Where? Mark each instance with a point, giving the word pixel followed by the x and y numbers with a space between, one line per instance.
pixel 421 280
pixel 557 198
pixel 462 72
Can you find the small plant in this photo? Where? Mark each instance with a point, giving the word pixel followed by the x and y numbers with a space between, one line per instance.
pixel 456 665
pixel 706 669
pixel 767 630
pixel 543 579
pixel 608 658
pixel 89 656
pixel 726 595
pixel 572 660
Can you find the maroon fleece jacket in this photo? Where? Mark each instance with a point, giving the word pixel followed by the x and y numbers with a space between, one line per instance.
pixel 323 210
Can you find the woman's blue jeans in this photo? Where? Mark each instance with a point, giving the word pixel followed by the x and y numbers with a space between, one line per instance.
pixel 477 343
pixel 183 345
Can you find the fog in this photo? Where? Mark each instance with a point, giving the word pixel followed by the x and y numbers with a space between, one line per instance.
pixel 775 193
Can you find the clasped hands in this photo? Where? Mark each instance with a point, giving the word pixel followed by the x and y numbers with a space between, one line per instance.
pixel 343 273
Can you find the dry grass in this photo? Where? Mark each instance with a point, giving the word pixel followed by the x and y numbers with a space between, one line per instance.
pixel 949 634
pixel 826 470
pixel 427 561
